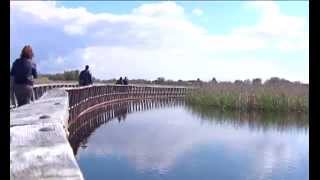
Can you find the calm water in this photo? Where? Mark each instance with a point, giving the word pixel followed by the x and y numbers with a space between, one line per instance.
pixel 169 140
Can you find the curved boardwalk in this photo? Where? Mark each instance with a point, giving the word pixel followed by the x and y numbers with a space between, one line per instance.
pixel 39 147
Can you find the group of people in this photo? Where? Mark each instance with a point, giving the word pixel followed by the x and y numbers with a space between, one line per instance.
pixel 24 71
pixel 122 81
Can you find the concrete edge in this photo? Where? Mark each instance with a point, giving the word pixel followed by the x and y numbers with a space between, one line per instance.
pixel 39 147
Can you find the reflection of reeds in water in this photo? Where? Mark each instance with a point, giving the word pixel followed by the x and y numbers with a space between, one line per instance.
pixel 86 124
pixel 279 121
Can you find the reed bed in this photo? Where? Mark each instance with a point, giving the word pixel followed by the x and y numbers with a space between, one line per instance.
pixel 244 97
pixel 280 121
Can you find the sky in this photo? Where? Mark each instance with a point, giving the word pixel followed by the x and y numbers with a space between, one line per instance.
pixel 185 40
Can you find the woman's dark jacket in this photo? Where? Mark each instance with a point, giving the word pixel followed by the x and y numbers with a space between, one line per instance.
pixel 24 71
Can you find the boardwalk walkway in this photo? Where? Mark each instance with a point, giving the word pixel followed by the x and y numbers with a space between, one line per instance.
pixel 39 146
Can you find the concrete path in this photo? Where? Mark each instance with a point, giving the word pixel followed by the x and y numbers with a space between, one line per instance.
pixel 39 148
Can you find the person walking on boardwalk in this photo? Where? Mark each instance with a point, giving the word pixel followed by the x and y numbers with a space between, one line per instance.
pixel 23 72
pixel 125 81
pixel 85 77
pixel 119 81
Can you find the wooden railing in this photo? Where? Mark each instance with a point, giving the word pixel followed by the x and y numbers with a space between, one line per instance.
pixel 38 91
pixel 83 99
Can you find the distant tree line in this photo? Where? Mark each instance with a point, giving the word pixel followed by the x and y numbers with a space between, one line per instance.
pixel 274 81
pixel 73 75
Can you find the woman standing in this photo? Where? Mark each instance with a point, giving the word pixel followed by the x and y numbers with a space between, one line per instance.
pixel 23 72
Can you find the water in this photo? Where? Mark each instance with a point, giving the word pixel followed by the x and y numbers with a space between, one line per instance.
pixel 169 140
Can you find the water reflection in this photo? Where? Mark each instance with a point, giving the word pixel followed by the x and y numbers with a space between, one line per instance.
pixel 254 120
pixel 89 122
pixel 174 141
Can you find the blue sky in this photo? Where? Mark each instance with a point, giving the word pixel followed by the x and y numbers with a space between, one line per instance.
pixel 214 11
pixel 177 40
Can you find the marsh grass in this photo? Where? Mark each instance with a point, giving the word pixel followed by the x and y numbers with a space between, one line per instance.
pixel 257 120
pixel 229 96
pixel 46 80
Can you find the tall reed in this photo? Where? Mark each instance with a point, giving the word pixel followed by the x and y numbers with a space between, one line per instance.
pixel 228 96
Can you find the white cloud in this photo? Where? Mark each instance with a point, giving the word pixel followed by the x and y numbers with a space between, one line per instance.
pixel 274 25
pixel 154 40
pixel 60 60
pixel 167 9
pixel 197 12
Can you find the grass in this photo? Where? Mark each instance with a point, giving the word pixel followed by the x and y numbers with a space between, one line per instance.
pixel 46 80
pixel 229 96
pixel 257 120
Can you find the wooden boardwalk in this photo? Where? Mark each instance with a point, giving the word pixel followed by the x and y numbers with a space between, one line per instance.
pixel 39 131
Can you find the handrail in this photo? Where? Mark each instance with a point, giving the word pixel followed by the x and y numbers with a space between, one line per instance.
pixel 84 98
pixel 40 89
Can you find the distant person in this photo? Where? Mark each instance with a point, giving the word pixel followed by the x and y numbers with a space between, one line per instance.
pixel 125 81
pixel 23 72
pixel 85 77
pixel 119 81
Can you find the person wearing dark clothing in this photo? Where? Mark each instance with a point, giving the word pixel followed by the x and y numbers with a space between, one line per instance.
pixel 85 77
pixel 125 81
pixel 119 81
pixel 23 72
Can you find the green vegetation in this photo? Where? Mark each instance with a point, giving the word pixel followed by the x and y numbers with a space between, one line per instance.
pixel 275 95
pixel 278 120
pixel 65 77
